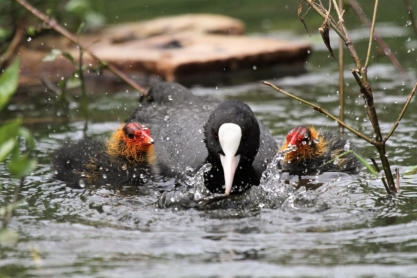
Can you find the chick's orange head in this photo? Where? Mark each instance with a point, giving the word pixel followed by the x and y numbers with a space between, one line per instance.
pixel 137 134
pixel 132 141
pixel 303 143
pixel 299 137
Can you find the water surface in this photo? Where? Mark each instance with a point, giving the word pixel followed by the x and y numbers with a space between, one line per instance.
pixel 348 227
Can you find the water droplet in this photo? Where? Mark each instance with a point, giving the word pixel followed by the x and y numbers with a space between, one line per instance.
pixel 81 183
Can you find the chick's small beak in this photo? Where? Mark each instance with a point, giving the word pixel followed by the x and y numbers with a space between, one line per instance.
pixel 145 135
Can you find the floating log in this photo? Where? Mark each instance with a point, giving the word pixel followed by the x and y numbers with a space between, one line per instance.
pixel 172 48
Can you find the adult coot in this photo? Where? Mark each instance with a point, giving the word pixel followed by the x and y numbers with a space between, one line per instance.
pixel 191 130
pixel 309 152
pixel 126 158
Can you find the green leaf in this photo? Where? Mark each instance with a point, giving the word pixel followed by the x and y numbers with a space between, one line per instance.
pixel 8 83
pixel 52 55
pixel 360 158
pixel 73 83
pixel 25 133
pixel 10 207
pixel 31 30
pixel 94 20
pixel 366 164
pixel 69 57
pixel 10 130
pixel 8 237
pixel 4 33
pixel 8 140
pixel 79 7
pixel 6 148
pixel 412 171
pixel 21 166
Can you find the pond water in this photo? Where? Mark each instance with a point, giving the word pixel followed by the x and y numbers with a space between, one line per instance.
pixel 348 227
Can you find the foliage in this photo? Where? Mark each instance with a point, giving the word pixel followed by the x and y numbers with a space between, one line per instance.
pixel 360 158
pixel 12 137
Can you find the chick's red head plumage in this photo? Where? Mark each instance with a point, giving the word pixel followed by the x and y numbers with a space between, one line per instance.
pixel 303 143
pixel 299 137
pixel 132 141
pixel 137 134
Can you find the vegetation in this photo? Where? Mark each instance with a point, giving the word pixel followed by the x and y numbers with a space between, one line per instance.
pixel 333 18
pixel 16 145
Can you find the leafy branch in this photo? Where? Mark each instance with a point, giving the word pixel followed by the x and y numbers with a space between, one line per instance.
pixel 360 75
pixel 64 32
pixel 12 134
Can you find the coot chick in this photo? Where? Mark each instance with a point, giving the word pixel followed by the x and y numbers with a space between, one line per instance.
pixel 190 131
pixel 127 158
pixel 309 152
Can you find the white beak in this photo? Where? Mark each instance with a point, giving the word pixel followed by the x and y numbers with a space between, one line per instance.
pixel 230 136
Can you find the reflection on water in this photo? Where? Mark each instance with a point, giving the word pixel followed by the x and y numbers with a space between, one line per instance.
pixel 346 227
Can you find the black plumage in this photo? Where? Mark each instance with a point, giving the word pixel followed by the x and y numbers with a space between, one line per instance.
pixel 180 123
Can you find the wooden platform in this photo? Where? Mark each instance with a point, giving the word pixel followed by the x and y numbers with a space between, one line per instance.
pixel 172 48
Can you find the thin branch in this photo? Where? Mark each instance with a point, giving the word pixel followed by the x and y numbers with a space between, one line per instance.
pixel 64 32
pixel 341 79
pixel 411 15
pixel 400 116
pixel 387 50
pixel 371 35
pixel 375 164
pixel 397 172
pixel 338 11
pixel 386 185
pixel 323 111
pixel 12 48
pixel 340 31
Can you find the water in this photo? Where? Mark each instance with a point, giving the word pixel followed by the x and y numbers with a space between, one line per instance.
pixel 348 227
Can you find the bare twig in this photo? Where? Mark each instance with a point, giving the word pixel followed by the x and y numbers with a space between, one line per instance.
pixel 361 77
pixel 387 50
pixel 64 32
pixel 324 30
pixel 411 15
pixel 386 185
pixel 323 111
pixel 341 31
pixel 13 46
pixel 397 173
pixel 300 16
pixel 371 35
pixel 341 79
pixel 375 164
pixel 400 116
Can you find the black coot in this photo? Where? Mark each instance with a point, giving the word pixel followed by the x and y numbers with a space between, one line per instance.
pixel 190 131
pixel 127 158
pixel 309 152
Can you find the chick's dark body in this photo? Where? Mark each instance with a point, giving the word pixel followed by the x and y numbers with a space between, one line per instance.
pixel 87 162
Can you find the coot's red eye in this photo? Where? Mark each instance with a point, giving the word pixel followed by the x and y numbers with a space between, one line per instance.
pixel 215 134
